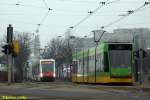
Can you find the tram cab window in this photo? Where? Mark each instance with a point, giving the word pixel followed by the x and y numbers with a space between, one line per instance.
pixel 106 62
pixel 120 47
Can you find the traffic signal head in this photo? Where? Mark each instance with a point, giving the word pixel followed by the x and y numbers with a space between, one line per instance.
pixel 4 49
pixel 144 53
pixel 15 48
pixel 137 53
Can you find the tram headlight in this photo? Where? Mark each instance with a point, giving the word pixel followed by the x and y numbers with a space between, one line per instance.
pixel 41 75
pixel 54 75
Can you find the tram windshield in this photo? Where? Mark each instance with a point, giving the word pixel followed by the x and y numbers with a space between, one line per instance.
pixel 47 66
pixel 120 55
pixel 119 58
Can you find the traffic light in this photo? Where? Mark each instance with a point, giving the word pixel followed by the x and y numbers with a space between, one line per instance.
pixel 15 48
pixel 137 53
pixel 7 48
pixel 4 49
pixel 144 54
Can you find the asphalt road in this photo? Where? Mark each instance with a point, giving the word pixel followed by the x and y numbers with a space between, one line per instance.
pixel 71 92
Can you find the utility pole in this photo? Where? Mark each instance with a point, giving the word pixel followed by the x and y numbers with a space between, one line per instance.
pixel 141 66
pixel 141 51
pixel 9 54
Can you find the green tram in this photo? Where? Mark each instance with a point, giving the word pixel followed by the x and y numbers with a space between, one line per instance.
pixel 106 63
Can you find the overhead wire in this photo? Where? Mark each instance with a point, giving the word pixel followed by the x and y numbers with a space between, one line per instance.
pixel 93 2
pixel 40 7
pixel 20 14
pixel 91 13
pixel 18 3
pixel 41 22
pixel 145 8
pixel 46 5
pixel 79 1
pixel 8 4
pixel 86 17
pixel 94 11
pixel 124 16
pixel 32 6
pixel 44 17
pixel 130 12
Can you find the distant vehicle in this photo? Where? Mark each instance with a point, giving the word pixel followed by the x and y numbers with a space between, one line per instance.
pixel 114 64
pixel 45 71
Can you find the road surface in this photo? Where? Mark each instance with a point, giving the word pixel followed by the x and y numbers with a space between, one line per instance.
pixel 69 91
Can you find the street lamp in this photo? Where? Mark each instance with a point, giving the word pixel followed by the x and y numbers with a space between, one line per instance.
pixel 97 39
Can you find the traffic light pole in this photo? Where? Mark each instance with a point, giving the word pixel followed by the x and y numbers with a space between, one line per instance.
pixel 13 79
pixel 9 54
pixel 9 62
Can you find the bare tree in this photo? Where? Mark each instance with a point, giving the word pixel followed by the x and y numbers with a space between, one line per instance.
pixel 22 58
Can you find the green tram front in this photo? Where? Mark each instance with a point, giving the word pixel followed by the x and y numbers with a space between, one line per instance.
pixel 120 60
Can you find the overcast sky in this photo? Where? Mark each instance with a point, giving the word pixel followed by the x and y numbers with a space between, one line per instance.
pixel 66 13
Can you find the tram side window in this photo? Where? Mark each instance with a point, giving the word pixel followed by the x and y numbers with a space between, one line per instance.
pixel 101 62
pixel 82 66
pixel 92 66
pixel 85 65
pixel 74 67
pixel 93 63
pixel 80 70
pixel 98 63
pixel 106 62
pixel 90 63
